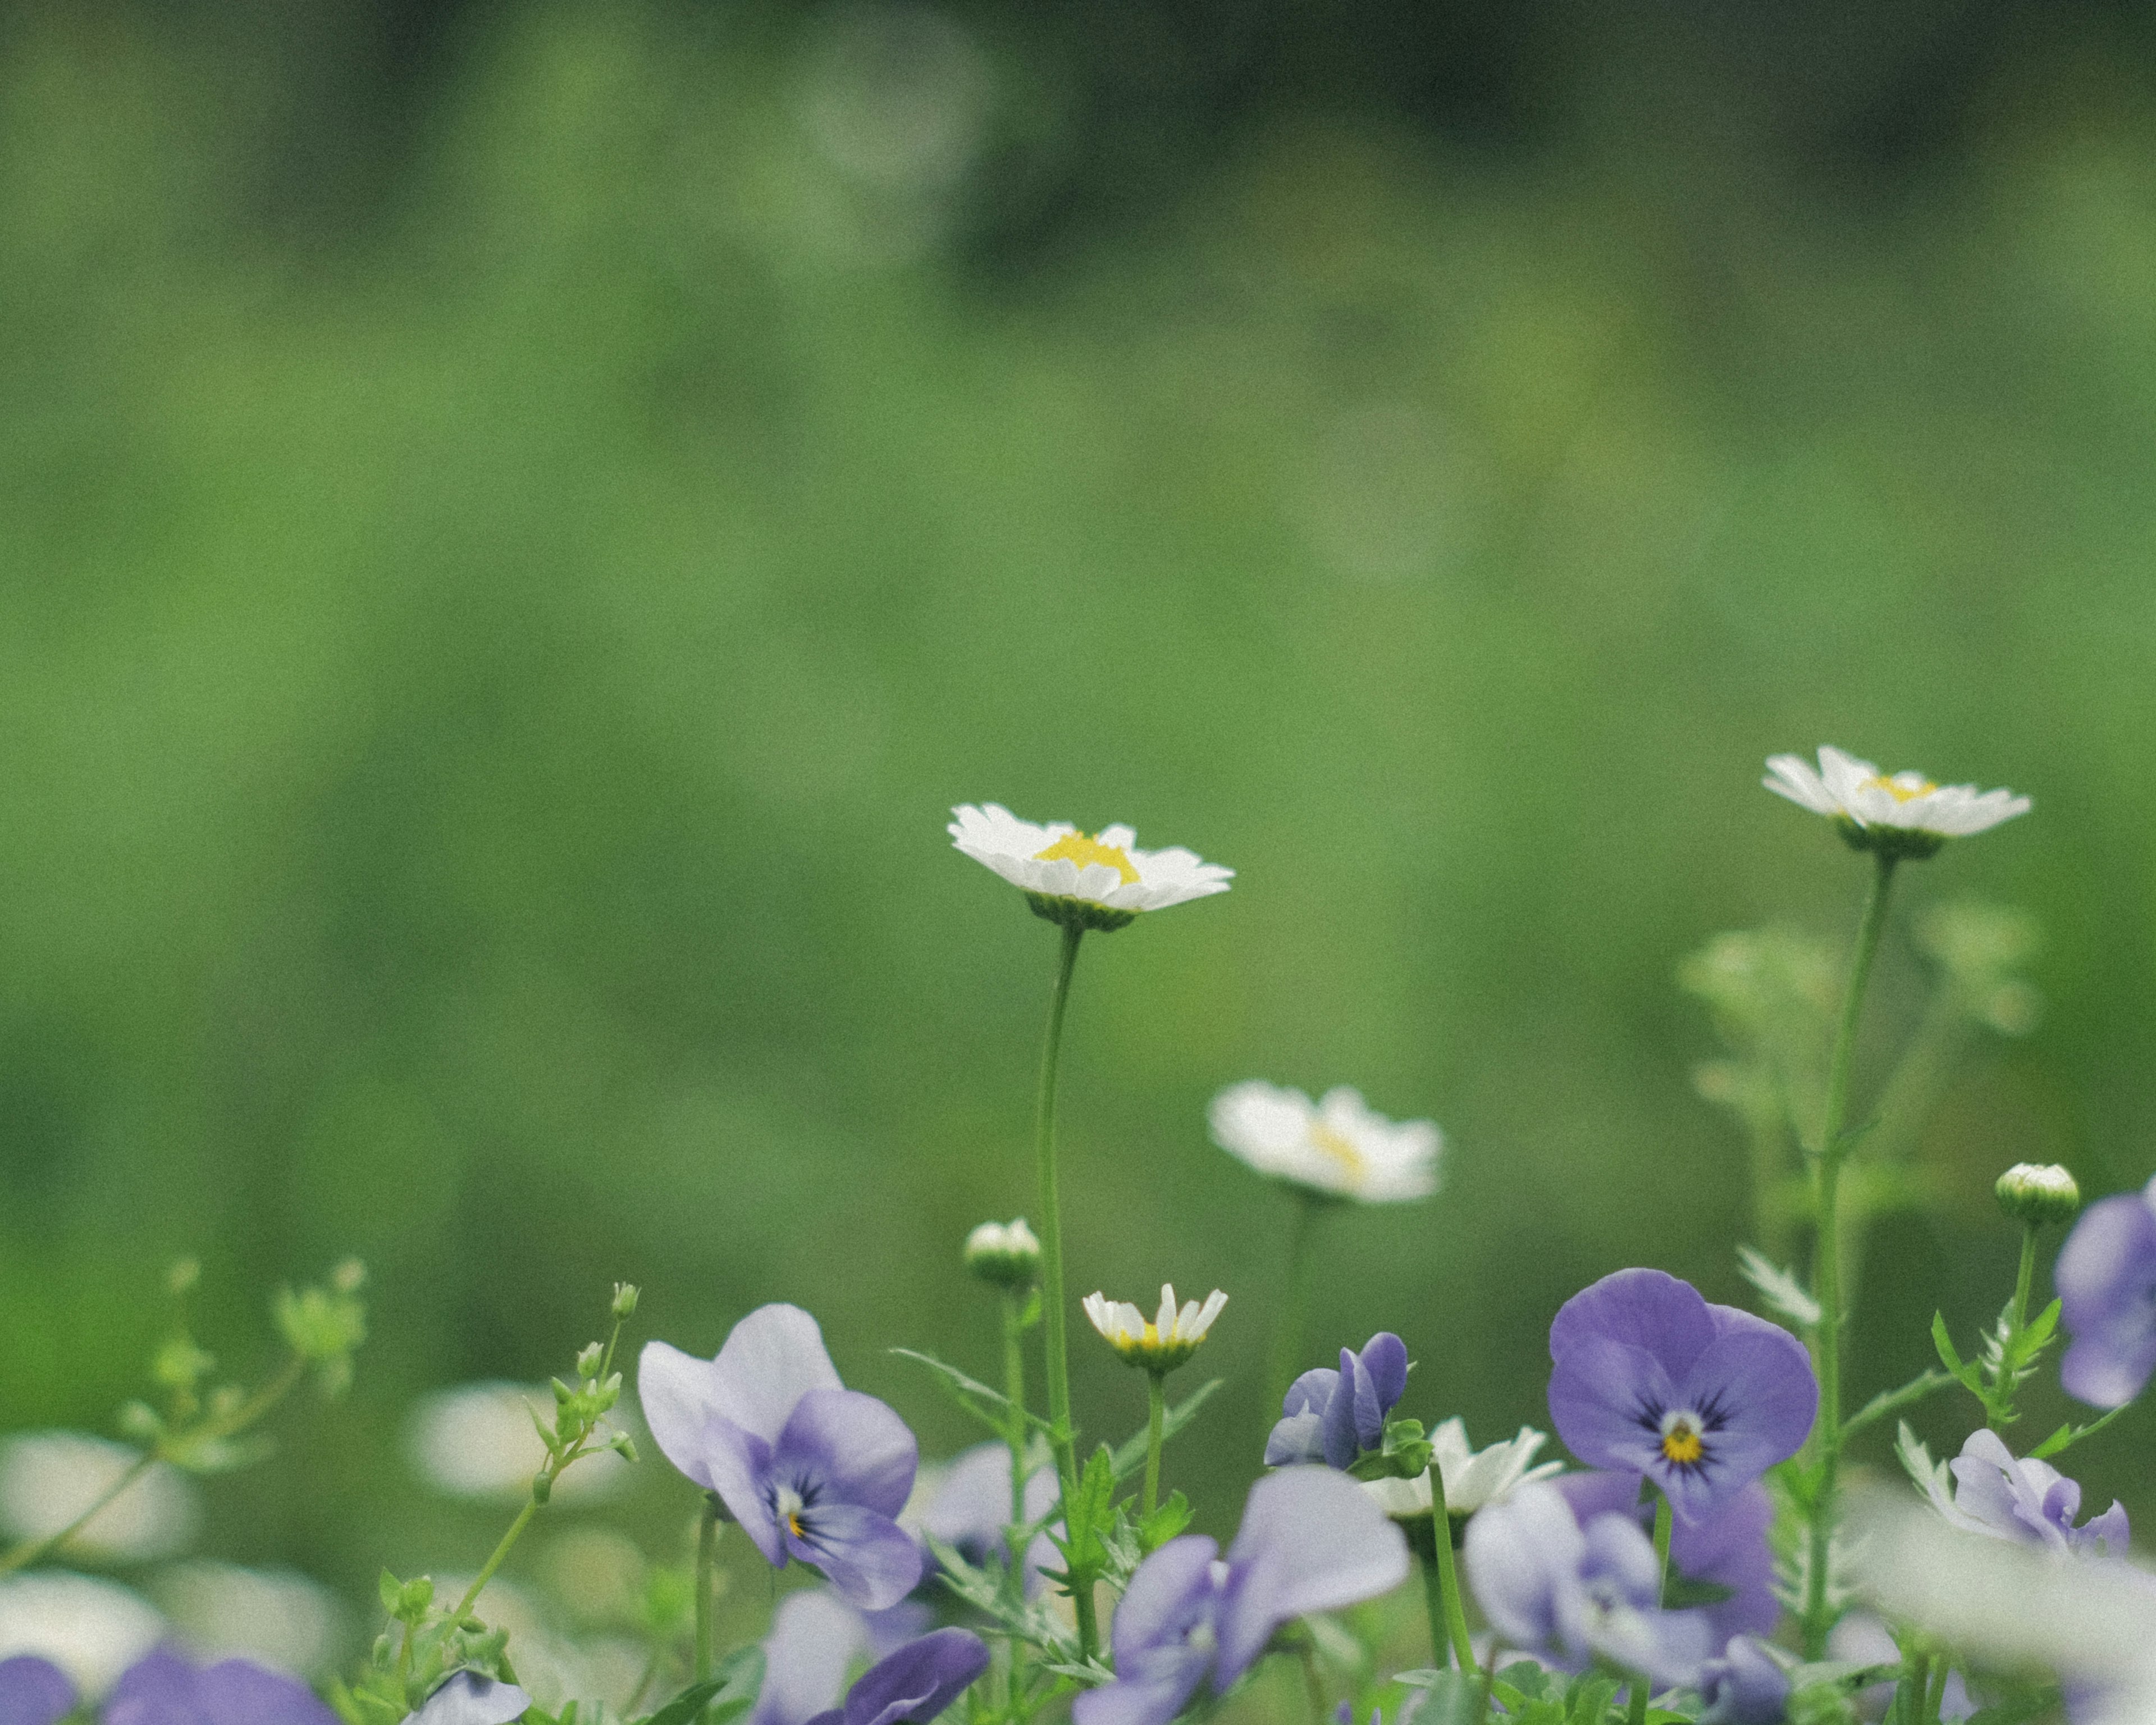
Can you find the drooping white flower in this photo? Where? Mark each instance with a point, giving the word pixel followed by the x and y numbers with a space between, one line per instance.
pixel 1902 811
pixel 48 1478
pixel 1159 1343
pixel 1099 881
pixel 1472 1477
pixel 91 1629
pixel 1335 1145
pixel 478 1441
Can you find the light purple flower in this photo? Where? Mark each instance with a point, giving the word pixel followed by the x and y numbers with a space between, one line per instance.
pixel 972 1506
pixel 33 1691
pixel 1651 1378
pixel 815 1637
pixel 914 1684
pixel 2106 1276
pixel 811 1470
pixel 1729 1547
pixel 1570 1594
pixel 1742 1685
pixel 467 1698
pixel 2027 1501
pixel 1333 1417
pixel 1310 1540
pixel 1861 1639
pixel 163 1688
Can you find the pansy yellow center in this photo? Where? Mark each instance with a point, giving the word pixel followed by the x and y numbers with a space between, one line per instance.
pixel 1336 1145
pixel 788 1503
pixel 1078 849
pixel 1680 1441
pixel 1901 787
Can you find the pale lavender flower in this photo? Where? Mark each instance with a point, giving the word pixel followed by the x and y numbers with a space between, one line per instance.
pixel 972 1504
pixel 1727 1548
pixel 1310 1540
pixel 1333 1416
pixel 2106 1276
pixel 2024 1500
pixel 164 1688
pixel 811 1470
pixel 33 1691
pixel 914 1684
pixel 467 1698
pixel 1651 1378
pixel 1742 1685
pixel 815 1637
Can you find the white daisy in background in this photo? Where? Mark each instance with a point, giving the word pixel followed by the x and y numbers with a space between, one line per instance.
pixel 1160 1343
pixel 1336 1145
pixel 477 1441
pixel 48 1478
pixel 1903 812
pixel 92 1630
pixel 1101 882
pixel 275 1617
pixel 1472 1477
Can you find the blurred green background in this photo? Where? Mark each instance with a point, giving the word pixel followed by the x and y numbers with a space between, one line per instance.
pixel 517 521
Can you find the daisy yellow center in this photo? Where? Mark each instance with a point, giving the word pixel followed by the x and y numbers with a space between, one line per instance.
pixel 1681 1443
pixel 1077 848
pixel 1901 787
pixel 1336 1145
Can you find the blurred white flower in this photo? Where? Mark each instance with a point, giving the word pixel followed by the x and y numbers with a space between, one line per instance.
pixel 554 1667
pixel 1160 1343
pixel 48 1478
pixel 478 1441
pixel 1847 789
pixel 1336 1145
pixel 92 1630
pixel 1062 866
pixel 1472 1477
pixel 275 1617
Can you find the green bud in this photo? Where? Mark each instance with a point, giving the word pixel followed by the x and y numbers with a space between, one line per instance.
pixel 563 1395
pixel 320 1323
pixel 1004 1254
pixel 624 1300
pixel 590 1360
pixel 2038 1193
pixel 542 1485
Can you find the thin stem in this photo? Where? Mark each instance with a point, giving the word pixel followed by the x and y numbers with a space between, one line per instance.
pixel 1661 1548
pixel 1434 1605
pixel 500 1551
pixel 1014 1390
pixel 1313 1685
pixel 2027 1276
pixel 1156 1411
pixel 1826 1273
pixel 1448 1577
pixel 1910 1692
pixel 1287 1337
pixel 707 1549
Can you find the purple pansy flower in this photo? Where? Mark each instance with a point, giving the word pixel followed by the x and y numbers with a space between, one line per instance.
pixel 163 1688
pixel 1568 1593
pixel 1310 1540
pixel 467 1698
pixel 2106 1276
pixel 1729 1547
pixel 1332 1416
pixel 815 1637
pixel 1742 1685
pixel 810 1469
pixel 2028 1502
pixel 33 1691
pixel 914 1684
pixel 1651 1378
pixel 972 1506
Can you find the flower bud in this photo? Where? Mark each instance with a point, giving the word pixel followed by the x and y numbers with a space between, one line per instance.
pixel 1005 1255
pixel 624 1300
pixel 590 1360
pixel 2038 1193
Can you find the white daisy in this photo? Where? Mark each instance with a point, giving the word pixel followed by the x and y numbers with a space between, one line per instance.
pixel 1099 881
pixel 1336 1145
pixel 1160 1343
pixel 1472 1478
pixel 50 1478
pixel 1904 812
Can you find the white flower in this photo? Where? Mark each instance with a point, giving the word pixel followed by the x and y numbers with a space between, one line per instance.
pixel 478 1441
pixel 1101 882
pixel 1158 1344
pixel 1336 1145
pixel 48 1478
pixel 1895 809
pixel 275 1617
pixel 91 1629
pixel 1472 1478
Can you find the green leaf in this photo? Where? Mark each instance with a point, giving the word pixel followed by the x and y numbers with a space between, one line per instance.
pixel 1892 1401
pixel 1131 1456
pixel 2071 1434
pixel 738 1678
pixel 1454 1698
pixel 991 1407
pixel 1966 1374
pixel 1169 1519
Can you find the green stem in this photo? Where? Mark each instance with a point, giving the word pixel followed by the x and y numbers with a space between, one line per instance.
pixel 1156 1411
pixel 1062 1436
pixel 500 1551
pixel 707 1551
pixel 1014 1390
pixel 1640 1686
pixel 1448 1577
pixel 1826 1274
pixel 2027 1276
pixel 1313 1685
pixel 1287 1337
pixel 1910 1692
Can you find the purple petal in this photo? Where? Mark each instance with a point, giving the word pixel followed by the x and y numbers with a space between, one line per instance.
pixel 1607 1399
pixel 1150 1690
pixel 919 1681
pixel 469 1699
pixel 1516 1554
pixel 1603 1492
pixel 870 1560
pixel 1731 1548
pixel 858 1450
pixel 971 1503
pixel 1743 1686
pixel 679 1395
pixel 238 1691
pixel 33 1691
pixel 739 1466
pixel 2110 1528
pixel 1170 1592
pixel 1645 1309
pixel 1342 1441
pixel 815 1637
pixel 1311 1540
pixel 160 1688
pixel 773 1358
pixel 1755 1387
pixel 2105 1275
pixel 1298 1438
pixel 1311 1392
pixel 1384 1361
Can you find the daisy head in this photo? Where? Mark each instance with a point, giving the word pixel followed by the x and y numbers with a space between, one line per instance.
pixel 1337 1146
pixel 1897 814
pixel 1099 881
pixel 1159 1343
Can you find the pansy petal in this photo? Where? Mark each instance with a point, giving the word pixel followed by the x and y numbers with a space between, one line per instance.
pixel 1384 1361
pixel 772 1358
pixel 1514 1553
pixel 1170 1591
pixel 33 1691
pixel 1606 1398
pixel 678 1393
pixel 1151 1691
pixel 738 1463
pixel 160 1688
pixel 467 1698
pixel 1299 1438
pixel 238 1691
pixel 1311 1540
pixel 1311 1392
pixel 870 1560
pixel 918 1680
pixel 815 1637
pixel 1647 1309
pixel 1759 1383
pixel 855 1444
pixel 1342 1438
pixel 2105 1274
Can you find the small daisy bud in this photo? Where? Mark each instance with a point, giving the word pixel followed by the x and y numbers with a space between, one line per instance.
pixel 1005 1255
pixel 2036 1193
pixel 624 1300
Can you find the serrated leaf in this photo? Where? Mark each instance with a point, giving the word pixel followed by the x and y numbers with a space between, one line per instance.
pixel 1168 1520
pixel 1779 1288
pixel 1934 1479
pixel 1451 1698
pixel 991 1407
pixel 1131 1456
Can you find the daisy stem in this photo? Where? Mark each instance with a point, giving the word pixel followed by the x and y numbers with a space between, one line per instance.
pixel 1826 1265
pixel 1014 1390
pixel 2027 1276
pixel 1054 1342
pixel 1287 1338
pixel 707 1548
pixel 1156 1411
